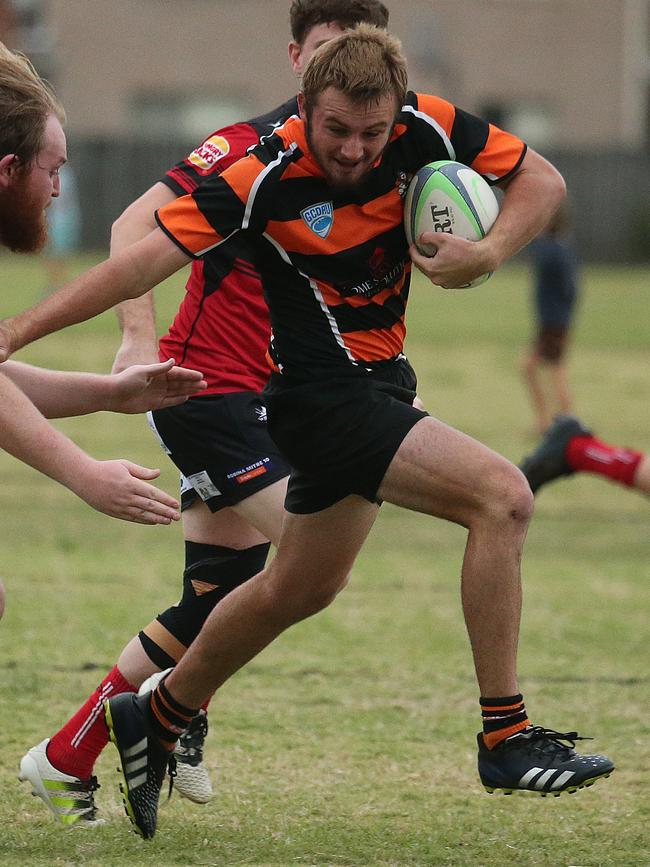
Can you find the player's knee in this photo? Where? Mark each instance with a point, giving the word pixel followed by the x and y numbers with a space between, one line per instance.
pixel 211 573
pixel 293 595
pixel 508 500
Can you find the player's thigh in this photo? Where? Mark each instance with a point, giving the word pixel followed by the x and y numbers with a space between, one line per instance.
pixel 264 510
pixel 318 550
pixel 225 527
pixel 443 472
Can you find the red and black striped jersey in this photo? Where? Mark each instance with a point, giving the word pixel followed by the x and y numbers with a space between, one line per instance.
pixel 222 326
pixel 334 265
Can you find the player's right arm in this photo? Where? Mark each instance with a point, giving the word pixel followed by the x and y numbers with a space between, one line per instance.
pixel 136 270
pixel 117 488
pixel 137 317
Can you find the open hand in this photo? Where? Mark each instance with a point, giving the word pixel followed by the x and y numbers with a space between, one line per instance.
pixel 121 489
pixel 154 386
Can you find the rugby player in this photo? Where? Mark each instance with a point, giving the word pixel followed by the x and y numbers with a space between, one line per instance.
pixel 233 476
pixel 32 150
pixel 321 203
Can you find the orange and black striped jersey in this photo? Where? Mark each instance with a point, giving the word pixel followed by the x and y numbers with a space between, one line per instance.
pixel 335 265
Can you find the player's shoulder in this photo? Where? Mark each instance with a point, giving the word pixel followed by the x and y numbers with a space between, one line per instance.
pixel 231 143
pixel 264 124
pixel 416 105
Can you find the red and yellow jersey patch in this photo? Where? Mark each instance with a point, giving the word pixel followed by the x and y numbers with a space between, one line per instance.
pixel 208 154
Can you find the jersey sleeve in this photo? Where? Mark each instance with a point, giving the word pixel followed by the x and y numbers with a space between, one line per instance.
pixel 491 151
pixel 218 208
pixel 214 155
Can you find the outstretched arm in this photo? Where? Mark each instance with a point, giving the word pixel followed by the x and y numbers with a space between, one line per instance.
pixel 59 394
pixel 135 271
pixel 137 317
pixel 117 488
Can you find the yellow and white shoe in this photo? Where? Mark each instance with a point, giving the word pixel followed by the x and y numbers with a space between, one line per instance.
pixel 70 799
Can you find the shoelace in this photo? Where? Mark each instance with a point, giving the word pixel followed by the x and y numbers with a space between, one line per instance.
pixel 171 770
pixel 88 794
pixel 191 743
pixel 555 738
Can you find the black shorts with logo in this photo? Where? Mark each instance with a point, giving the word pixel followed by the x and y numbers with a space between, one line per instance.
pixel 340 434
pixel 222 447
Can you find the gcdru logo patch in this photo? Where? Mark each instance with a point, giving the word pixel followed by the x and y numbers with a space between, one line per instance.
pixel 319 218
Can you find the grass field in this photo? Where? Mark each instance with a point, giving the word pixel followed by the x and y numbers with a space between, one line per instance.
pixel 351 740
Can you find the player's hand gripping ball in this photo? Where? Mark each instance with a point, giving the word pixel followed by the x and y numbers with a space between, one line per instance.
pixel 447 196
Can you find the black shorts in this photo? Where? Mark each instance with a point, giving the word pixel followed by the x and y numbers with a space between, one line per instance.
pixel 340 435
pixel 222 447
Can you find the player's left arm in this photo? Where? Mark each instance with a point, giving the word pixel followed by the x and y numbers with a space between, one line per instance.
pixel 532 194
pixel 60 394
pixel 135 271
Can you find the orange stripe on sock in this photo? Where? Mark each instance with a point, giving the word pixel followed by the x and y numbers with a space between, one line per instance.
pixel 167 706
pixel 494 738
pixel 170 746
pixel 157 713
pixel 489 708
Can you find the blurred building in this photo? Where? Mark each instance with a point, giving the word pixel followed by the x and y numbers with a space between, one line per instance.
pixel 570 74
pixel 141 79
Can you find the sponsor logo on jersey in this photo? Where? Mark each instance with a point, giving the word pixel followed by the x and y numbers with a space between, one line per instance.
pixel 402 184
pixel 207 155
pixel 319 218
pixel 385 274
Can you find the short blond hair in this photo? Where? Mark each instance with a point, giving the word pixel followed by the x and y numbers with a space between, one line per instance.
pixel 26 101
pixel 365 64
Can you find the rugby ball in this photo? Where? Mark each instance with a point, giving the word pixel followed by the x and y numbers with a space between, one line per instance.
pixel 447 196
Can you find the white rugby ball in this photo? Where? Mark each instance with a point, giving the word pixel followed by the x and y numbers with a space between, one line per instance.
pixel 447 196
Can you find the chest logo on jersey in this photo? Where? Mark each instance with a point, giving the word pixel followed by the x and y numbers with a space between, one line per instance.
pixel 319 218
pixel 207 155
pixel 402 183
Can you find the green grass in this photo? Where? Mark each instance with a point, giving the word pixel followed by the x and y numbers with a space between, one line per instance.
pixel 350 740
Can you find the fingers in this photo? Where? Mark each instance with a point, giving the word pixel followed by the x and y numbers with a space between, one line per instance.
pixel 148 510
pixel 158 368
pixel 184 374
pixel 421 261
pixel 149 505
pixel 185 386
pixel 139 472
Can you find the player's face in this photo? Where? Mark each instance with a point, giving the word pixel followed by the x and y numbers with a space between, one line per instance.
pixel 43 177
pixel 30 191
pixel 347 138
pixel 300 55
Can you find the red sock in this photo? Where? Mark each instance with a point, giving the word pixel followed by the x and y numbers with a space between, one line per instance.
pixel 591 455
pixel 75 748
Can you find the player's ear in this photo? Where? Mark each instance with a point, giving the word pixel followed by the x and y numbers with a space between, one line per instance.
pixel 294 57
pixel 8 166
pixel 301 106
